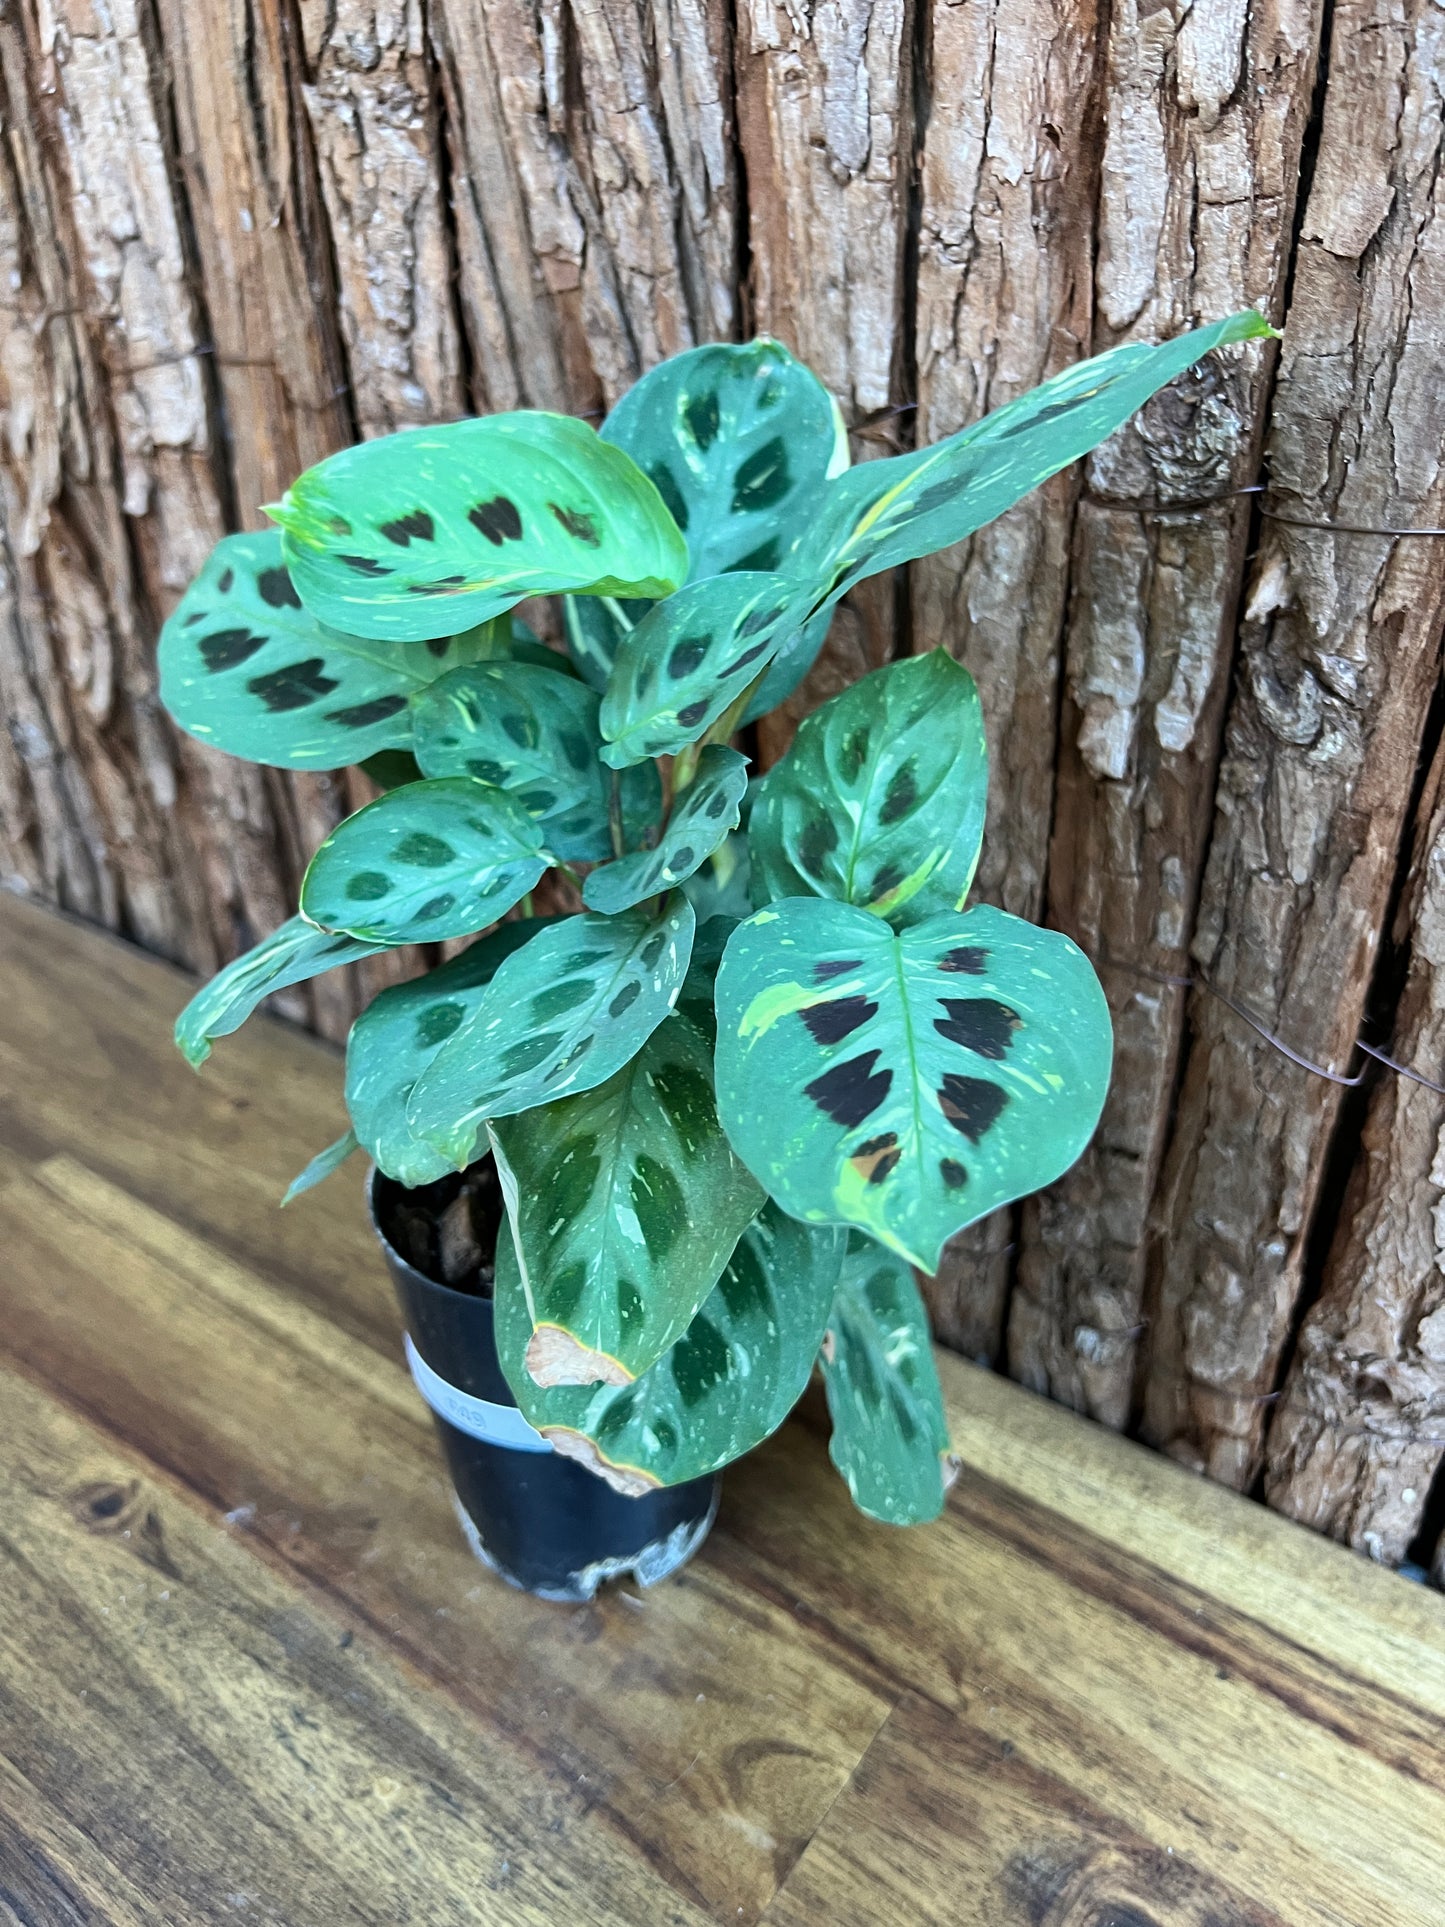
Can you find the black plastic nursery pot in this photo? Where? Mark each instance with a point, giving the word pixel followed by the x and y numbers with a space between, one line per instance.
pixel 537 1519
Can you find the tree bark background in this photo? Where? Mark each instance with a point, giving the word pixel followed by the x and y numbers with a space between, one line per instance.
pixel 237 234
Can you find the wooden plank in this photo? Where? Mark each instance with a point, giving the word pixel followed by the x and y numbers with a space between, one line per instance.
pixel 1086 1708
pixel 1340 656
pixel 1100 1688
pixel 1005 250
pixel 188 1734
pixel 1205 113
pixel 170 1333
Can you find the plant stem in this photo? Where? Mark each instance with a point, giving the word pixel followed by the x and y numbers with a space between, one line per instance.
pixel 614 811
pixel 618 614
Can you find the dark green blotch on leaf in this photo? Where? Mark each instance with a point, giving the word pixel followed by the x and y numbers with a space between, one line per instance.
pixel 293 687
pixel 981 1024
pixel 851 1091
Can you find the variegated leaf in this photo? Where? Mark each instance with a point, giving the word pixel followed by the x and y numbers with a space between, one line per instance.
pixel 595 627
pixel 533 733
pixel 561 1015
pixel 701 819
pixel 246 668
pixel 430 530
pixel 321 1167
pixel 721 887
pixel 624 1202
pixel 884 513
pixel 890 1437
pixel 739 441
pixel 881 799
pixel 727 1383
pixel 436 859
pixel 906 1082
pixel 689 659
pixel 290 955
pixel 795 657
pixel 396 1037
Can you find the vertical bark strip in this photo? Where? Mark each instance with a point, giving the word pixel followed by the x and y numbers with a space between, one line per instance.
pixel 1005 260
pixel 1340 655
pixel 369 99
pixel 1204 120
pixel 825 120
pixel 1359 1435
pixel 594 191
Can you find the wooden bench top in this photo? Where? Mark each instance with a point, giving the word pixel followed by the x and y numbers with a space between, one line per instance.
pixel 249 1670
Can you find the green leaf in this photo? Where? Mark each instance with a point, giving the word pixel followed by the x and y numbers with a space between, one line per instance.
pixel 290 955
pixel 560 1016
pixel 721 887
pixel 426 531
pixel 910 1082
pixel 397 1036
pixel 245 668
pixel 691 657
pixel 595 627
pixel 729 1380
pixel 436 859
pixel 528 730
pixel 890 1437
pixel 391 769
pixel 625 1202
pixel 881 799
pixel 321 1167
pixel 701 818
pixel 794 659
pixel 533 732
pixel 739 441
pixel 884 513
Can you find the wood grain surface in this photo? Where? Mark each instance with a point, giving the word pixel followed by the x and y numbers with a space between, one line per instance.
pixel 248 1669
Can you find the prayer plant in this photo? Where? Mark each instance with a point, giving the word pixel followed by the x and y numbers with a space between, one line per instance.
pixel 772 1063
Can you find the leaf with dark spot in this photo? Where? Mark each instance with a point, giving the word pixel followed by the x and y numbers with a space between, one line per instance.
pixel 970 1104
pixel 840 1073
pixel 479 1075
pixel 702 817
pixel 730 1379
pixel 452 856
pixel 967 960
pixel 293 686
pixel 695 634
pixel 277 590
pixel 578 524
pixel 255 673
pixel 227 647
pixel 396 1037
pixel 648 1220
pixel 457 522
pixel 405 529
pixel 740 442
pixel 890 1436
pixel 897 766
pixel 980 1024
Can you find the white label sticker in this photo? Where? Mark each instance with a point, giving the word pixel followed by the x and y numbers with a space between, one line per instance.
pixel 479 1418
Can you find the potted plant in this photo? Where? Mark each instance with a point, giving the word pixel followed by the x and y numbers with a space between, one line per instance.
pixel 768 1063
